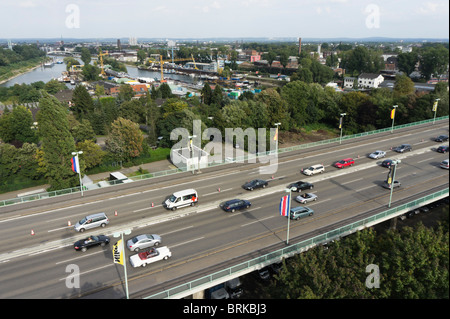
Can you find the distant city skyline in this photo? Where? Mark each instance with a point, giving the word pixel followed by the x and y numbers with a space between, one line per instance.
pixel 224 19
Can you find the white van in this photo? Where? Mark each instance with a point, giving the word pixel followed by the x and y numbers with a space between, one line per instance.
pixel 187 197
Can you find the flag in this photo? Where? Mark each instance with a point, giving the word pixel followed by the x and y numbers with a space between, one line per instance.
pixel 392 113
pixel 435 106
pixel 276 135
pixel 284 205
pixel 118 253
pixel 75 164
pixel 340 122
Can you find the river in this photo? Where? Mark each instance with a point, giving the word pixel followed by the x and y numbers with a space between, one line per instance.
pixel 49 73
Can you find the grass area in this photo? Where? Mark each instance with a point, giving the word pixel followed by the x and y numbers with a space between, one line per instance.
pixel 14 183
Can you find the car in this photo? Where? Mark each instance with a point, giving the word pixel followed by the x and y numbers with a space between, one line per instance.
pixel 235 204
pixel 377 154
pixel 143 241
pixel 442 149
pixel 264 273
pixel 300 212
pixel 403 148
pixel 314 169
pixel 91 241
pixel 256 183
pixel 387 163
pixel 305 198
pixel 396 184
pixel 150 256
pixel 299 186
pixel 344 163
pixel 444 164
pixel 441 138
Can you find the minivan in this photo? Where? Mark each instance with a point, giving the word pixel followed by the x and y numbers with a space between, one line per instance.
pixel 187 197
pixel 92 221
pixel 314 169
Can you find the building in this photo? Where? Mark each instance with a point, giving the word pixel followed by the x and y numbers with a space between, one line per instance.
pixel 348 82
pixel 370 80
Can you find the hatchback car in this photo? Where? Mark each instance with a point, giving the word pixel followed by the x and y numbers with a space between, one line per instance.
pixel 441 138
pixel 300 212
pixel 403 148
pixel 299 186
pixel 377 154
pixel 143 241
pixel 444 164
pixel 396 184
pixel 91 241
pixel 344 163
pixel 256 183
pixel 235 204
pixel 387 163
pixel 442 149
pixel 314 169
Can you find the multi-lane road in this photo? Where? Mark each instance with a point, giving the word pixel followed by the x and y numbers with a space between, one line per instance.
pixel 204 238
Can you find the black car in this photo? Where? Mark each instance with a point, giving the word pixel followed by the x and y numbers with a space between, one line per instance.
pixel 403 148
pixel 387 163
pixel 441 138
pixel 235 204
pixel 442 149
pixel 256 183
pixel 91 241
pixel 299 186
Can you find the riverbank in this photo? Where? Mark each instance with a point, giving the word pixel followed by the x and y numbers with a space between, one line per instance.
pixel 15 72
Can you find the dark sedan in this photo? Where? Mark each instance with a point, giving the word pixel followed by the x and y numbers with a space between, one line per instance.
pixel 442 149
pixel 299 186
pixel 441 138
pixel 91 241
pixel 256 183
pixel 387 163
pixel 235 204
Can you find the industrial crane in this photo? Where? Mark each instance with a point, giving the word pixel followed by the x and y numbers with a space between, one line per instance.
pixel 161 63
pixel 100 54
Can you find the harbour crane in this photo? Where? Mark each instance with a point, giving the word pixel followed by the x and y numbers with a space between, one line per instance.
pixel 101 54
pixel 161 63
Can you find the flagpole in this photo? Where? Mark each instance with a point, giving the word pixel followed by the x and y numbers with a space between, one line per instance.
pixel 79 169
pixel 393 117
pixel 289 216
pixel 125 268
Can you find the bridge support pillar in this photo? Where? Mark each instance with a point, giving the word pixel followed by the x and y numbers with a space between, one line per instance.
pixel 199 295
pixel 394 223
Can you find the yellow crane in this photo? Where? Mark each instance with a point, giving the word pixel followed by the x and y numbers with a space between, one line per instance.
pixel 101 54
pixel 161 63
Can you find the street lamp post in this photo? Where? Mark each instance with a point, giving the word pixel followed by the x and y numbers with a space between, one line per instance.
pixel 393 117
pixel 76 168
pixel 340 125
pixel 392 181
pixel 191 151
pixel 435 105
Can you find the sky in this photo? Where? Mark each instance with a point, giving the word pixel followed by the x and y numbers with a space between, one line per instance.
pixel 224 18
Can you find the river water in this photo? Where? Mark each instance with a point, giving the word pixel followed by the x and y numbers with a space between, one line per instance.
pixel 46 74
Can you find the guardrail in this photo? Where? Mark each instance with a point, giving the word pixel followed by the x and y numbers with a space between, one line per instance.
pixel 258 262
pixel 237 159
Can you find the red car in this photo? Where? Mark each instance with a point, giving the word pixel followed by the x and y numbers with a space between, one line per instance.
pixel 344 163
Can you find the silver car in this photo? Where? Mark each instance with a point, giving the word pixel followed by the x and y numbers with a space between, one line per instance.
pixel 305 198
pixel 143 241
pixel 377 154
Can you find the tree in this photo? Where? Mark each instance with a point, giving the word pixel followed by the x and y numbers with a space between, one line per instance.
pixel 57 143
pixel 141 55
pixel 403 85
pixel 434 61
pixel 92 153
pixel 17 125
pixel 125 139
pixel 85 56
pixel 90 72
pixel 82 102
pixel 206 94
pixel 407 62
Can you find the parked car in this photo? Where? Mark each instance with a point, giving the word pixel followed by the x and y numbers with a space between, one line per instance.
pixel 143 241
pixel 344 163
pixel 256 183
pixel 264 273
pixel 314 169
pixel 91 241
pixel 305 198
pixel 387 163
pixel 444 164
pixel 441 138
pixel 396 184
pixel 150 256
pixel 299 186
pixel 403 148
pixel 442 149
pixel 235 204
pixel 377 154
pixel 300 212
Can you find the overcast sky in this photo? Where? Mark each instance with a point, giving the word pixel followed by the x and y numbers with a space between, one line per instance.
pixel 223 18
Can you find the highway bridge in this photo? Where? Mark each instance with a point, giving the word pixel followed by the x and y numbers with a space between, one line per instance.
pixel 205 240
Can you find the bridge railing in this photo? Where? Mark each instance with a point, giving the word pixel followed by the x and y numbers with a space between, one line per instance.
pixel 237 159
pixel 275 256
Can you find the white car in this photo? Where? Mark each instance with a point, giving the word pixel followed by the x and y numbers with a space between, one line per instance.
pixel 307 197
pixel 314 169
pixel 150 256
pixel 444 164
pixel 377 154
